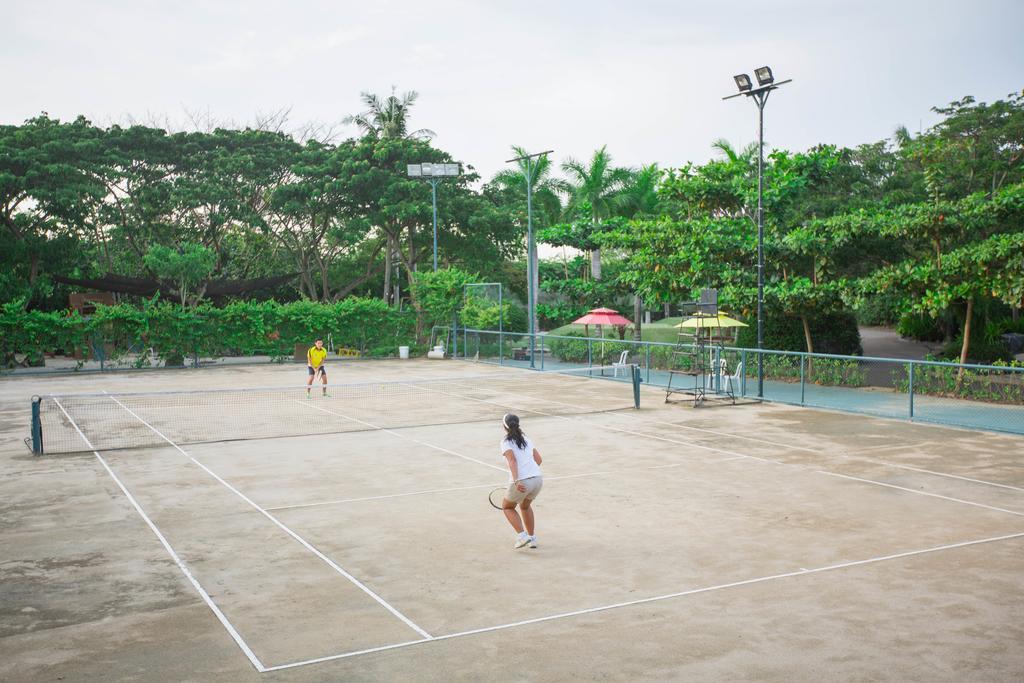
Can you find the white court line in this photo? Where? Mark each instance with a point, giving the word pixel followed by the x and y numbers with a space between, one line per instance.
pixel 736 454
pixel 403 436
pixel 167 546
pixel 657 598
pixel 767 460
pixel 577 418
pixel 817 451
pixel 943 474
pixel 921 493
pixel 331 563
pixel 447 490
pixel 849 455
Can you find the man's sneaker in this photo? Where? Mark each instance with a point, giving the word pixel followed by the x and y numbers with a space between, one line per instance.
pixel 533 541
pixel 521 540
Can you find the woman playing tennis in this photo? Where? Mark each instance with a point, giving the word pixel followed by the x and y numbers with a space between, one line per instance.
pixel 525 480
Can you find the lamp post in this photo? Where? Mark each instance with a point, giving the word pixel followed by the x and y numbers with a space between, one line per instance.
pixel 433 173
pixel 765 84
pixel 531 256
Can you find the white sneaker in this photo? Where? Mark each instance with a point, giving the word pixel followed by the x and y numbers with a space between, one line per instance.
pixel 521 540
pixel 533 541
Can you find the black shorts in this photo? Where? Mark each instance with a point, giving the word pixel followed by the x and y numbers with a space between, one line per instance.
pixel 312 371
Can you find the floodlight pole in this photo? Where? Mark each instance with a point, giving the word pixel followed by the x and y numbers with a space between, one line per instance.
pixel 433 198
pixel 430 174
pixel 531 296
pixel 760 97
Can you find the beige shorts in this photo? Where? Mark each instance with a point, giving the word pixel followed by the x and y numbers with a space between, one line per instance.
pixel 532 486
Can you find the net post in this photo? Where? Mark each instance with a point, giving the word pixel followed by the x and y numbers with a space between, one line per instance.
pixel 635 372
pixel 37 427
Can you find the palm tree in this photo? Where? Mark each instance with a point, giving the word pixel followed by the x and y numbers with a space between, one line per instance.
pixel 731 153
pixel 545 189
pixel 388 117
pixel 595 186
pixel 639 197
pixel 547 205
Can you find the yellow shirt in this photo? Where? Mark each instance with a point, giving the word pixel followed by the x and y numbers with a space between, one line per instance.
pixel 315 356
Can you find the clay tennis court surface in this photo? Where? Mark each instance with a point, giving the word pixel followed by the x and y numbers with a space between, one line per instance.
pixel 750 542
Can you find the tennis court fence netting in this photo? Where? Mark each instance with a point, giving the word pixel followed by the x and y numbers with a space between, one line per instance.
pixel 73 423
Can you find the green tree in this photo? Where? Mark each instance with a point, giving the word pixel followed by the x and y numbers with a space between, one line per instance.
pixel 593 190
pixel 187 268
pixel 388 117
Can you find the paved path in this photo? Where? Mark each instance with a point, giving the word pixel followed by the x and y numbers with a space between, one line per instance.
pixel 885 342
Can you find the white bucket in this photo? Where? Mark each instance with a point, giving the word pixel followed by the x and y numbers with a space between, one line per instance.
pixel 403 352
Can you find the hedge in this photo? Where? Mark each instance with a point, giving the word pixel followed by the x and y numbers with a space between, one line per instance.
pixel 240 329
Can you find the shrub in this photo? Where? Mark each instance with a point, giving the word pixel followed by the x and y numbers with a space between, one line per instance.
pixel 920 327
pixel 830 332
pixel 240 328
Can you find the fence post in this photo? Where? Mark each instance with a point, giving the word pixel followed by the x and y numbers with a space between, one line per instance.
pixel 590 353
pixel 542 354
pixel 743 375
pixel 455 336
pixel 634 370
pixel 910 388
pixel 803 384
pixel 647 361
pixel 501 346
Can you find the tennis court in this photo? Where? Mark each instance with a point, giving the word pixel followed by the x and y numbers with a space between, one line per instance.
pixel 352 538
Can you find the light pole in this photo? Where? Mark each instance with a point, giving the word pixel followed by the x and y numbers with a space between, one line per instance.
pixel 433 173
pixel 766 83
pixel 531 256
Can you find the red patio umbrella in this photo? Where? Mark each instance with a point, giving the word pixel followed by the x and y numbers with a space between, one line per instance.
pixel 602 316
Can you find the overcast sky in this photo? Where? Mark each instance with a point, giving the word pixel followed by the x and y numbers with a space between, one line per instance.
pixel 644 77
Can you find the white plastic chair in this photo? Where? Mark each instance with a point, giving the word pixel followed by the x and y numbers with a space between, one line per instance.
pixel 621 363
pixel 735 377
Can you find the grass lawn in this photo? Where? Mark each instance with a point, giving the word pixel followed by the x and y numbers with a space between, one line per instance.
pixel 660 331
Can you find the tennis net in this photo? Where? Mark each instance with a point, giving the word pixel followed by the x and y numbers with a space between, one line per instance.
pixel 73 423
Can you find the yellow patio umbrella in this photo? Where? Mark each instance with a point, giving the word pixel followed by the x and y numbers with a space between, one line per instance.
pixel 705 321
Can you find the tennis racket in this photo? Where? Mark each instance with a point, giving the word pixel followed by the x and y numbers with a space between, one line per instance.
pixel 496 497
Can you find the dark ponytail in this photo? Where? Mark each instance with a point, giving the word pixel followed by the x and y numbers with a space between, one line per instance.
pixel 515 433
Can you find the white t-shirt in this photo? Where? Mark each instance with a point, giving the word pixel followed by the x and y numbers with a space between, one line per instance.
pixel 525 464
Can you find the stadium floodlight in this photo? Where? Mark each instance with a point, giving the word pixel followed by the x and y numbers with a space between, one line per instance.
pixel 764 75
pixel 433 173
pixel 531 251
pixel 766 83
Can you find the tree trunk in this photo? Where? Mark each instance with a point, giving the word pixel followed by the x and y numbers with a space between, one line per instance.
pixel 810 344
pixel 595 264
pixel 389 252
pixel 967 341
pixel 638 311
pixel 412 252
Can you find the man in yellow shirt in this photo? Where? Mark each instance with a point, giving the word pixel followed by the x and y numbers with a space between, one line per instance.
pixel 315 358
